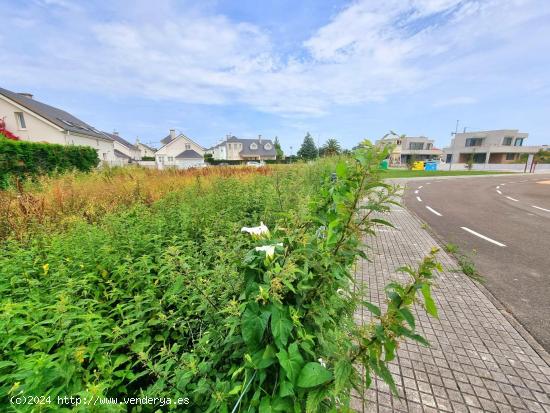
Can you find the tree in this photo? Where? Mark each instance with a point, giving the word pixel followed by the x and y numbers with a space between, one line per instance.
pixel 308 150
pixel 280 153
pixel 330 148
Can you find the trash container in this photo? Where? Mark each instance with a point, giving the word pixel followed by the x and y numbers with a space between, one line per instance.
pixel 384 164
pixel 418 166
pixel 430 166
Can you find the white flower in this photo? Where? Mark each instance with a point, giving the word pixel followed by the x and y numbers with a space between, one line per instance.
pixel 269 249
pixel 321 362
pixel 256 231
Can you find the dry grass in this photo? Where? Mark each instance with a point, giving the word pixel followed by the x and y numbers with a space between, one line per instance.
pixel 55 202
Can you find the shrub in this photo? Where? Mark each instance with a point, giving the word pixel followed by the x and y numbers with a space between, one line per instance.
pixel 171 299
pixel 20 159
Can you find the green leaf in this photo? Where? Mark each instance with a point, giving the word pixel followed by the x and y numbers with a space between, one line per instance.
pixel 313 374
pixel 342 374
pixel 265 405
pixel 372 308
pixel 341 169
pixel 429 303
pixel 407 316
pixel 254 324
pixel 382 222
pixel 281 327
pixel 291 362
pixel 286 389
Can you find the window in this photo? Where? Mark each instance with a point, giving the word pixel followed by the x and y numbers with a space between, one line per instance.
pixel 416 145
pixel 187 146
pixel 474 141
pixel 518 142
pixel 510 156
pixel 253 146
pixel 20 120
pixel 449 158
pixel 507 141
pixel 267 146
pixel 429 146
pixel 160 159
pixel 170 159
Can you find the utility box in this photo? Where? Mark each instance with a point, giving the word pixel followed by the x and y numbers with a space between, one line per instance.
pixel 430 166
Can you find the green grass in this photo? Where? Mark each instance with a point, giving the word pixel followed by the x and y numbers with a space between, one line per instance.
pixel 405 173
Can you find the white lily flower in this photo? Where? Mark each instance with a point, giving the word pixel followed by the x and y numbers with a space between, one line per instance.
pixel 321 362
pixel 269 249
pixel 258 231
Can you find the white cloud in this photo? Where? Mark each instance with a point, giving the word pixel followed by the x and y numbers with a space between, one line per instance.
pixel 368 52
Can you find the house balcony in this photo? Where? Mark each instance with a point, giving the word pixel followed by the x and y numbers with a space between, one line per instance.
pixel 493 149
pixel 428 152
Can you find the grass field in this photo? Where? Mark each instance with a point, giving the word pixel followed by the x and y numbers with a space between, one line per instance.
pixel 405 173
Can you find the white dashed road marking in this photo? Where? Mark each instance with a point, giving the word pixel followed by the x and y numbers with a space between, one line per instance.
pixel 477 234
pixel 512 199
pixel 542 209
pixel 500 193
pixel 416 191
pixel 498 187
pixel 421 186
pixel 418 199
pixel 433 211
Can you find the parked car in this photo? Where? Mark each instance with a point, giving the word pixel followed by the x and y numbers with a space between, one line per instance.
pixel 255 163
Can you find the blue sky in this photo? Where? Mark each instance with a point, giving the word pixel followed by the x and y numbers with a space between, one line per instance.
pixel 344 69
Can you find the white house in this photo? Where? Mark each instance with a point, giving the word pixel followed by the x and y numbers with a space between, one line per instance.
pixel 145 150
pixel 240 149
pixel 34 121
pixel 125 152
pixel 179 151
pixel 489 147
pixel 410 148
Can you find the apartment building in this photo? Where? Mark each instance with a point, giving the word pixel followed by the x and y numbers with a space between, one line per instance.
pixel 491 147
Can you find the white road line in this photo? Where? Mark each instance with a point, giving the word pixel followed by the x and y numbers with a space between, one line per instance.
pixel 428 183
pixel 498 187
pixel 502 184
pixel 433 210
pixel 512 199
pixel 500 193
pixel 477 234
pixel 418 199
pixel 542 209
pixel 416 191
pixel 421 186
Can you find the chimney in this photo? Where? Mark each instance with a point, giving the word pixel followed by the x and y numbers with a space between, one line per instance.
pixel 227 137
pixel 137 140
pixel 260 138
pixel 27 95
pixel 115 133
pixel 172 134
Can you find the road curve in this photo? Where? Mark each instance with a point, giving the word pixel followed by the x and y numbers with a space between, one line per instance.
pixel 505 220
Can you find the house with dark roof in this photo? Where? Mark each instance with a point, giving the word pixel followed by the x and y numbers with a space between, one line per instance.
pixel 179 151
pixel 32 120
pixel 234 149
pixel 125 152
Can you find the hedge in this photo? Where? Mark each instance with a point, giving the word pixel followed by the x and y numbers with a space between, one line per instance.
pixel 20 159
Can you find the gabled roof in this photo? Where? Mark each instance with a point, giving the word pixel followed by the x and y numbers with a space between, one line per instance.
pixel 247 151
pixel 146 146
pixel 58 117
pixel 166 141
pixel 120 140
pixel 119 154
pixel 189 154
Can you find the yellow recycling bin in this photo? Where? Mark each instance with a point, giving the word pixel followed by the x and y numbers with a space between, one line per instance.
pixel 418 166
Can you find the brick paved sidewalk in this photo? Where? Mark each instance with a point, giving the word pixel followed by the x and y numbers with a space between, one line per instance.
pixel 477 360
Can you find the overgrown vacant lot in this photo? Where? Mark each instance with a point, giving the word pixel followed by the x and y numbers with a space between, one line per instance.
pixel 137 283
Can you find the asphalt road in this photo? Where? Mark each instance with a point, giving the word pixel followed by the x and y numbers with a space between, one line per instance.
pixel 504 224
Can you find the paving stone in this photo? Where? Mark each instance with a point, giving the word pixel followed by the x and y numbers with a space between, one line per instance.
pixel 476 361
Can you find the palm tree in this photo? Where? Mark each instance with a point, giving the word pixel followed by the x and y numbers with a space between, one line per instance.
pixel 331 148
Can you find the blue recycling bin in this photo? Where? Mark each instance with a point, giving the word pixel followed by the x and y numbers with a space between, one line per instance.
pixel 430 166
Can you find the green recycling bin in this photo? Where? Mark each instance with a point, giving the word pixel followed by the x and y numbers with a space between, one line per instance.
pixel 384 164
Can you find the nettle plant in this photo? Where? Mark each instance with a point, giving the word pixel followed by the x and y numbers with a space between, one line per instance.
pixel 303 350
